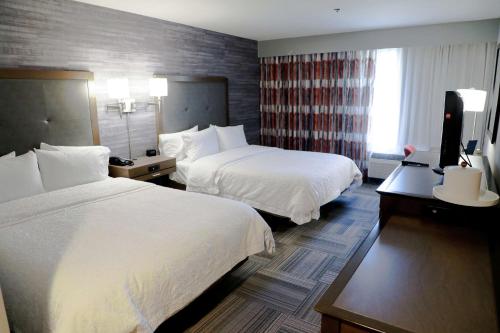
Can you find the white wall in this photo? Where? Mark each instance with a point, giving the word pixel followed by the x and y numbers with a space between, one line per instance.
pixel 492 151
pixel 449 33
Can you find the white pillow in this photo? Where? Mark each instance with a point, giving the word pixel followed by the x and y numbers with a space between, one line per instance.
pixel 9 155
pixel 101 151
pixel 199 144
pixel 19 177
pixel 61 169
pixel 171 144
pixel 231 137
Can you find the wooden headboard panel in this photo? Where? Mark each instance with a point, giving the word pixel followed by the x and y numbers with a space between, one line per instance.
pixel 56 107
pixel 193 100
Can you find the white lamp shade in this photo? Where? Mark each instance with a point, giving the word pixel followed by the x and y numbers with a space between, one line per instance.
pixel 118 88
pixel 473 99
pixel 158 86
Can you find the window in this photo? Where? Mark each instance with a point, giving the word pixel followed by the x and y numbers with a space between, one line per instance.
pixel 385 112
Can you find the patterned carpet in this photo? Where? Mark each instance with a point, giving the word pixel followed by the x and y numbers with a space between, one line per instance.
pixel 278 293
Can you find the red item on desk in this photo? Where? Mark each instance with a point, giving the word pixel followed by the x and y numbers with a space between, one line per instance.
pixel 409 149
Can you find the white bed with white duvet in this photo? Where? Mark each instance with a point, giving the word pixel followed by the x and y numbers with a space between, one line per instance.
pixel 114 255
pixel 293 184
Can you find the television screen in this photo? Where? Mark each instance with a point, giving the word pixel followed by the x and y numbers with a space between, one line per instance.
pixel 452 129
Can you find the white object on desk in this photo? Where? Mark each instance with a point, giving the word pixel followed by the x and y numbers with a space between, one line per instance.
pixel 4 325
pixel 462 186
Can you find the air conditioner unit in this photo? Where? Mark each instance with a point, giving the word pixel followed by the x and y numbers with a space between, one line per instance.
pixel 380 166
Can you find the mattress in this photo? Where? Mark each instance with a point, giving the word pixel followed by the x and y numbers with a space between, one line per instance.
pixel 293 184
pixel 117 255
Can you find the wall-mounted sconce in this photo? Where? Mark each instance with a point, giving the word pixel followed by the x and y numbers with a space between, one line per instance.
pixel 158 87
pixel 118 89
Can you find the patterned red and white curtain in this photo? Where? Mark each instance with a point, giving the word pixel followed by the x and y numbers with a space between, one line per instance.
pixel 318 102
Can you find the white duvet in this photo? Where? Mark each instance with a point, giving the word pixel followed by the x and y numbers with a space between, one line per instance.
pixel 117 255
pixel 289 183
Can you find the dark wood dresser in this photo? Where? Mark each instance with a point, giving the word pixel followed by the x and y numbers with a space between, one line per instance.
pixel 428 266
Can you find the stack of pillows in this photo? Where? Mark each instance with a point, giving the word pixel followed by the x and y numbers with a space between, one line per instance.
pixel 55 167
pixel 50 168
pixel 191 144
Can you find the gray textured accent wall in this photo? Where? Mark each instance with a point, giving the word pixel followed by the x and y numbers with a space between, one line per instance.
pixel 65 34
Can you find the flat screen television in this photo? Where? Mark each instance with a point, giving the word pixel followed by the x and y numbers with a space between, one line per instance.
pixel 452 129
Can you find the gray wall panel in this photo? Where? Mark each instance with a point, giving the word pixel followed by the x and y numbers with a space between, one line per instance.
pixel 69 35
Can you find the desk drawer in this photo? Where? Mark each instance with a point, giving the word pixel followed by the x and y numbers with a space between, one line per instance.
pixel 150 169
pixel 436 211
pixel 414 206
pixel 347 328
pixel 394 205
pixel 155 174
pixel 432 208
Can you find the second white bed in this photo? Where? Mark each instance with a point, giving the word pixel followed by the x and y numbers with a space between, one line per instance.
pixel 288 183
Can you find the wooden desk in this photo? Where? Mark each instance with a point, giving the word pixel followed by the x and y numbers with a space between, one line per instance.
pixel 427 266
pixel 419 276
pixel 408 191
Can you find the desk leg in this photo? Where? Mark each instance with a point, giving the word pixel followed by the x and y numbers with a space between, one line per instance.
pixel 386 209
pixel 494 238
pixel 329 324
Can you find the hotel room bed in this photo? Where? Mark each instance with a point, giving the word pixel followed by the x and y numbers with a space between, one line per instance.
pixel 293 184
pixel 117 255
pixel 82 252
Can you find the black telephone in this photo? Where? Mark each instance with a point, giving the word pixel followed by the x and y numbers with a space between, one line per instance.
pixel 114 160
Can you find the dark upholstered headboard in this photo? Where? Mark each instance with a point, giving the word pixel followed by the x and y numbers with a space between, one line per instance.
pixel 193 100
pixel 56 107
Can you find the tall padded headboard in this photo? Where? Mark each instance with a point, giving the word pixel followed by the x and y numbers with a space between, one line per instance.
pixel 193 100
pixel 56 107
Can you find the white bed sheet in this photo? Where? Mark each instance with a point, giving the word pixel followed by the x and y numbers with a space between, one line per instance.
pixel 181 173
pixel 117 255
pixel 293 184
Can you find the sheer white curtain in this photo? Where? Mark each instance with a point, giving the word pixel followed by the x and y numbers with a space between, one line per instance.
pixel 409 91
pixel 427 73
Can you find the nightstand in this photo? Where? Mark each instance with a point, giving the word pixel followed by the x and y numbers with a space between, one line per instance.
pixel 145 168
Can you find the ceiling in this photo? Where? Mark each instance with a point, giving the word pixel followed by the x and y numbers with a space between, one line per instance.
pixel 273 19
